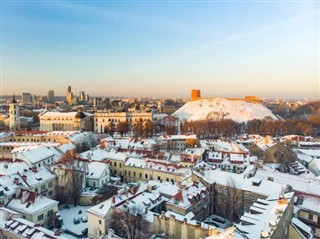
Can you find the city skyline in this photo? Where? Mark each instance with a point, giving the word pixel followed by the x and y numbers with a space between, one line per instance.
pixel 161 49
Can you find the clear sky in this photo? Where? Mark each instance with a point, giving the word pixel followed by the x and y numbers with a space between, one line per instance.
pixel 161 48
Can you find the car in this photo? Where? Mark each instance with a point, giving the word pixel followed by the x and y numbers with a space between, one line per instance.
pixel 76 220
pixel 84 219
pixel 84 231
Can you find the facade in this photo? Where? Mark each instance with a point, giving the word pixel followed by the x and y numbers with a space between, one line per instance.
pixel 34 207
pixel 193 198
pixel 177 142
pixel 66 121
pixel 102 120
pixel 98 218
pixel 98 174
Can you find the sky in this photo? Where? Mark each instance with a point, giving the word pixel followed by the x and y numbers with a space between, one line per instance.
pixel 161 48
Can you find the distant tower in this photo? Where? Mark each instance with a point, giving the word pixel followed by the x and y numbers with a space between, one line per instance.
pixel 69 94
pixel 195 94
pixel 51 96
pixel 14 113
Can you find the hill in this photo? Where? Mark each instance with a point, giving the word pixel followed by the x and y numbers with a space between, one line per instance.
pixel 221 108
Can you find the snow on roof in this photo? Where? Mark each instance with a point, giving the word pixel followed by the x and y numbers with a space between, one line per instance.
pixel 8 168
pixel 166 189
pixel 96 169
pixel 216 108
pixel 134 162
pixel 315 153
pixel 304 157
pixel 6 214
pixel 114 155
pixel 310 203
pixel 302 225
pixel 101 209
pixel 298 183
pixel 41 175
pixel 66 147
pixel 186 197
pixel 95 154
pixel 39 203
pixel 268 217
pixel 9 183
pixel 240 181
pixel 28 229
pixel 33 154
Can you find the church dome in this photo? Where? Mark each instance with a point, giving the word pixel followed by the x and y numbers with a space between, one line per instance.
pixel 80 115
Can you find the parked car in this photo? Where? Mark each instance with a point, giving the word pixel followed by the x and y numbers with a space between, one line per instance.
pixel 84 219
pixel 76 220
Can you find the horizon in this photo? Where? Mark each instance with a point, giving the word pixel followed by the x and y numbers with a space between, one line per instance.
pixel 161 49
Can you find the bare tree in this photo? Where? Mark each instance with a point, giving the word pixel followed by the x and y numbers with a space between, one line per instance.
pixel 130 223
pixel 70 179
pixel 230 203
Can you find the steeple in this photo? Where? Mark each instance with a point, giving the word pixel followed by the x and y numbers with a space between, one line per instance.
pixel 13 101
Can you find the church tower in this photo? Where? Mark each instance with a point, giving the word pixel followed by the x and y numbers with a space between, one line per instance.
pixel 14 112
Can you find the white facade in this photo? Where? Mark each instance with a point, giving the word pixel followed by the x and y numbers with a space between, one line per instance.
pixel 14 112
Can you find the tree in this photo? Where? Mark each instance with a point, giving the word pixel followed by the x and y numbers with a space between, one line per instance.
pixel 71 176
pixel 148 129
pixel 231 204
pixel 122 128
pixel 130 223
pixel 137 129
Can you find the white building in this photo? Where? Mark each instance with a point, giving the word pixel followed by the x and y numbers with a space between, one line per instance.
pixel 14 112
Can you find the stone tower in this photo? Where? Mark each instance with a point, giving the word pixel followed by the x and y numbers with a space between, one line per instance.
pixel 14 113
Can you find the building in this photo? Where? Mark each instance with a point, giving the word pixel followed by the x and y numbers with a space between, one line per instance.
pixel 69 95
pixel 269 218
pixel 98 174
pixel 98 218
pixel 66 121
pixel 34 207
pixel 195 94
pixel 82 96
pixel 13 226
pixel 50 96
pixel 193 198
pixel 176 142
pixel 103 120
pixel 26 98
pixel 14 112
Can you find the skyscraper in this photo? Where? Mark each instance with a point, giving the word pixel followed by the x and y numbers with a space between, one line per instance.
pixel 26 98
pixel 69 95
pixel 50 96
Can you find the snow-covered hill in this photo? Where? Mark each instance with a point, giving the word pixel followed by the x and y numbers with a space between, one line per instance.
pixel 221 108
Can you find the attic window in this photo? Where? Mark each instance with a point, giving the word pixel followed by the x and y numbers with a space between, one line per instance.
pixel 28 205
pixel 39 179
pixel 101 206
pixel 176 202
pixel 6 188
pixel 91 174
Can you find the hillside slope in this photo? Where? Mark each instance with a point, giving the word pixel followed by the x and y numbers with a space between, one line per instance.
pixel 221 108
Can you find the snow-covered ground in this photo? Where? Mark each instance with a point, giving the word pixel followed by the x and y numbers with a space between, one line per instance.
pixel 68 215
pixel 221 108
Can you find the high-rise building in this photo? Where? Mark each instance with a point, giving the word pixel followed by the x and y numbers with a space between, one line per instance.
pixel 50 96
pixel 82 96
pixel 26 98
pixel 195 94
pixel 69 95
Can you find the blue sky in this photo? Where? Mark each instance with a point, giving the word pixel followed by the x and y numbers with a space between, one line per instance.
pixel 161 48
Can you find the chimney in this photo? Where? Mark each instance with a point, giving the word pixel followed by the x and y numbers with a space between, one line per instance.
pixel 24 177
pixel 16 181
pixel 57 232
pixel 34 169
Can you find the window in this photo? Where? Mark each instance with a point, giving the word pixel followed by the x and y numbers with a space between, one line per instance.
pixel 134 174
pixel 40 217
pixel 50 212
pixel 99 221
pixel 120 165
pixel 146 176
pixel 125 172
pixel 115 164
pixel 50 185
pixel 310 217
